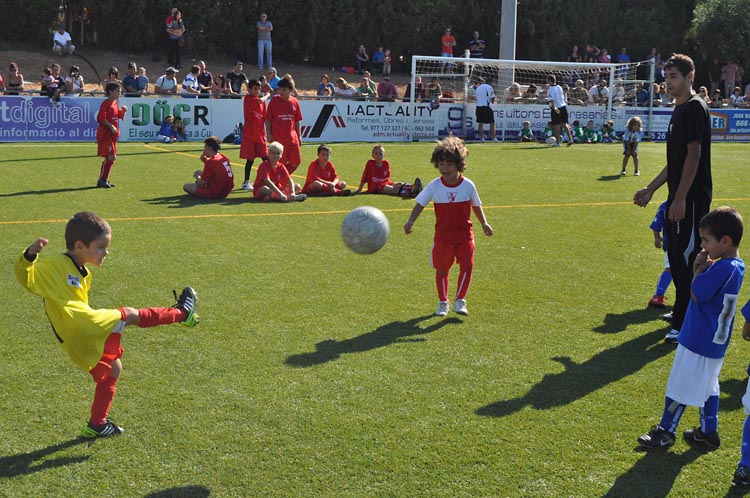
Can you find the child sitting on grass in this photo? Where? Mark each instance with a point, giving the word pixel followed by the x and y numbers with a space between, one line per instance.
pixel 165 132
pixel 272 180
pixel 91 337
pixel 377 176
pixel 526 135
pixel 216 180
pixel 322 179
pixel 178 130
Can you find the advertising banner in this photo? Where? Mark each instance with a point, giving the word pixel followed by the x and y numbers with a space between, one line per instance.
pixel 73 119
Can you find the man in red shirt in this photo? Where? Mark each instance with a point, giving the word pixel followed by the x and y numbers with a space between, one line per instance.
pixel 254 131
pixel 108 117
pixel 283 118
pixel 447 42
pixel 216 180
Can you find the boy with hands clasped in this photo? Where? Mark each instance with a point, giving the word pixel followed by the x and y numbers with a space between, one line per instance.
pixel 694 380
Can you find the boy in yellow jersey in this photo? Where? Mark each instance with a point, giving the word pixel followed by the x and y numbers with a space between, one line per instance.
pixel 91 337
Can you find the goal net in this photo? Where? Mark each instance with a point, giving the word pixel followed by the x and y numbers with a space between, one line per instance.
pixel 519 86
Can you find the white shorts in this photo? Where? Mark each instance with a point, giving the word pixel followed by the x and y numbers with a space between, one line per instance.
pixel 694 378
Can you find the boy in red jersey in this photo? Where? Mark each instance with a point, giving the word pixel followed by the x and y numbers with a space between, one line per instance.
pixel 322 178
pixel 283 118
pixel 216 180
pixel 108 117
pixel 254 132
pixel 454 197
pixel 272 181
pixel 91 337
pixel 377 176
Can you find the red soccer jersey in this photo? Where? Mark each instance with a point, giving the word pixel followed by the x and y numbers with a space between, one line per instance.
pixel 452 209
pixel 278 175
pixel 108 111
pixel 254 130
pixel 376 176
pixel 217 172
pixel 315 172
pixel 284 115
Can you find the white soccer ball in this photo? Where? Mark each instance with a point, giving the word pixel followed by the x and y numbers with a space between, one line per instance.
pixel 551 141
pixel 365 230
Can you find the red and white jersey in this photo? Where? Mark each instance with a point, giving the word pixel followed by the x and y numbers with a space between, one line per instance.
pixel 109 110
pixel 452 208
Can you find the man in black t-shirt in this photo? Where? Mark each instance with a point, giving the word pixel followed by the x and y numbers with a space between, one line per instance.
pixel 235 79
pixel 688 178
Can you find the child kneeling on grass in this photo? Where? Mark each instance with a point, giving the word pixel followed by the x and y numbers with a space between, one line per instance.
pixel 454 197
pixel 91 337
pixel 377 176
pixel 702 343
pixel 272 180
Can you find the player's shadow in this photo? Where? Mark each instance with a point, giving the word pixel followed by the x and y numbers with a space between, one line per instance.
pixel 652 476
pixel 181 492
pixel 48 191
pixel 179 201
pixel 35 461
pixel 618 322
pixel 385 335
pixel 737 492
pixel 581 379
pixel 609 178
pixel 732 391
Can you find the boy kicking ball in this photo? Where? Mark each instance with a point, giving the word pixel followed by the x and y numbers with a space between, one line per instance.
pixel 702 343
pixel 454 197
pixel 91 337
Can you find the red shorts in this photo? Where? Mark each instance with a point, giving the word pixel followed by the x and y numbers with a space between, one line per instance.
pixel 250 150
pixel 112 351
pixel 443 255
pixel 106 147
pixel 211 193
pixel 291 156
pixel 378 188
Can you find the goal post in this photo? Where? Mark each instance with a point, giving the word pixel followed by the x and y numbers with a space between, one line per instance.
pixel 451 81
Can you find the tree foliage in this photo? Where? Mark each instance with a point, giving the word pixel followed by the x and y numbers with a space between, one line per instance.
pixel 721 29
pixel 327 32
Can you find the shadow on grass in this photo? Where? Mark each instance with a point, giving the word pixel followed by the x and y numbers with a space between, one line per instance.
pixel 188 201
pixel 181 492
pixel 653 475
pixel 382 336
pixel 618 322
pixel 48 191
pixel 28 463
pixel 736 492
pixel 609 178
pixel 581 379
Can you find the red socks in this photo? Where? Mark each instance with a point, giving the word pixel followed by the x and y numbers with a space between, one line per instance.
pixel 151 317
pixel 103 396
pixel 106 168
pixel 464 279
pixel 442 286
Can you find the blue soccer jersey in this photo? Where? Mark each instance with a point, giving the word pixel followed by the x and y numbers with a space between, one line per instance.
pixel 710 315
pixel 657 225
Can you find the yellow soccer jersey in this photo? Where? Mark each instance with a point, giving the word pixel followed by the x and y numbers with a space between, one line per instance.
pixel 82 331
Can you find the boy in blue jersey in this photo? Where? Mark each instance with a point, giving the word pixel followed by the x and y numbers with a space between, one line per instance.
pixel 660 242
pixel 91 337
pixel 694 380
pixel 742 473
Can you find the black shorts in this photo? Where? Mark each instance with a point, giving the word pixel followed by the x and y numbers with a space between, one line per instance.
pixel 561 117
pixel 485 114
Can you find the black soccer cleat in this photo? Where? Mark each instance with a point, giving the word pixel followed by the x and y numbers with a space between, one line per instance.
pixel 656 438
pixel 187 302
pixel 711 441
pixel 109 428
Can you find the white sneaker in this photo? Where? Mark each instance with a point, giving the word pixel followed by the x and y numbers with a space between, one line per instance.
pixel 671 336
pixel 247 186
pixel 495 140
pixel 442 309
pixel 637 173
pixel 460 307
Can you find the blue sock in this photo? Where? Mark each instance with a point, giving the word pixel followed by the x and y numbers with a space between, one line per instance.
pixel 672 414
pixel 663 284
pixel 745 451
pixel 709 413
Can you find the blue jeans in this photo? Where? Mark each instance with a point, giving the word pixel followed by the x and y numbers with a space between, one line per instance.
pixel 265 46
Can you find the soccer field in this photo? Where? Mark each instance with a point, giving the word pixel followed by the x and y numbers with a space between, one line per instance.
pixel 319 372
